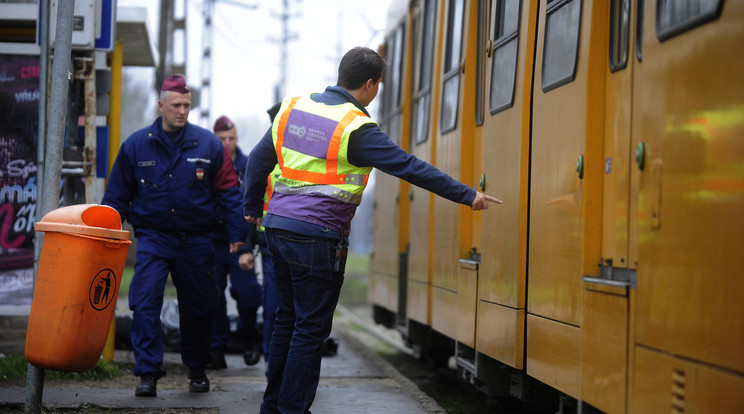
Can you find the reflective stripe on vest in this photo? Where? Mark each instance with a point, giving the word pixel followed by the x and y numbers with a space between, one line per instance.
pixel 311 141
pixel 269 191
pixel 270 187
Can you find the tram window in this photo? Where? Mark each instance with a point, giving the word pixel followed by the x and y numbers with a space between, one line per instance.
pixel 391 92
pixel 561 46
pixel 676 16
pixel 480 70
pixel 451 87
pixel 397 66
pixel 639 29
pixel 421 119
pixel 619 33
pixel 504 66
pixel 422 92
pixel 385 105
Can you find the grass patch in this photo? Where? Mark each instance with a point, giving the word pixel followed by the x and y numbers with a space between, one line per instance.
pixel 357 264
pixel 354 291
pixel 356 280
pixel 15 368
pixel 126 280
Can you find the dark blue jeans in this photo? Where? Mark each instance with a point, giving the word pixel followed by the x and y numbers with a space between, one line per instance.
pixel 308 294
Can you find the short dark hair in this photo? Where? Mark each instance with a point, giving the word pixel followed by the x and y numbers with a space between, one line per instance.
pixel 359 65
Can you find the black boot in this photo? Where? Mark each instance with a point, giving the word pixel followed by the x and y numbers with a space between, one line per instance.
pixel 252 353
pixel 251 357
pixel 218 360
pixel 147 387
pixel 198 381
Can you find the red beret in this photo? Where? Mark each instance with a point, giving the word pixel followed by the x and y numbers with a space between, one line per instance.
pixel 223 123
pixel 175 83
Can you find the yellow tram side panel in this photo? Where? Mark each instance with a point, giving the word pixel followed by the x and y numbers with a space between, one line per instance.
pixel 506 150
pixel 565 208
pixel 606 308
pixel 665 383
pixel 444 214
pixel 405 207
pixel 410 209
pixel 689 112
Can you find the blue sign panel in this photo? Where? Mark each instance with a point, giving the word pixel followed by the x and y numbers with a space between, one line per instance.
pixel 105 24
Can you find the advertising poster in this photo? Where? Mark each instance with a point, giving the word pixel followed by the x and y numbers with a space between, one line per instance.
pixel 19 106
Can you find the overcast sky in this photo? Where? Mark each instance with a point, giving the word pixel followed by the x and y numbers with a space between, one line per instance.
pixel 246 51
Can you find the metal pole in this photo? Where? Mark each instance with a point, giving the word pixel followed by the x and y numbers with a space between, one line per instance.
pixel 43 95
pixel 61 77
pixel 114 122
pixel 165 60
pixel 89 151
pixel 35 376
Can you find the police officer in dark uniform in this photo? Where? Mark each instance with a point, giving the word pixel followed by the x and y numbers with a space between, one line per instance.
pixel 169 180
pixel 244 287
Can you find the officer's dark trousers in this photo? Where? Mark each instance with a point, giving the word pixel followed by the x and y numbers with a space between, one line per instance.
pixel 246 291
pixel 308 294
pixel 189 259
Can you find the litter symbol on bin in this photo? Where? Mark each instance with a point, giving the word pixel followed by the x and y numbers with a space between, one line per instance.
pixel 102 289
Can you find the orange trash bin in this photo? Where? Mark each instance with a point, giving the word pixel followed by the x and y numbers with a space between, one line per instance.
pixel 80 269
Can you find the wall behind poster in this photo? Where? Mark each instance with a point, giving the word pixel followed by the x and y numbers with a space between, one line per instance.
pixel 19 106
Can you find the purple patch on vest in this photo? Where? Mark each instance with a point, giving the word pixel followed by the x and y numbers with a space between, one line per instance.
pixel 309 134
pixel 314 208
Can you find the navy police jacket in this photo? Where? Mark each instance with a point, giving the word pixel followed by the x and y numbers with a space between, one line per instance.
pixel 176 184
pixel 220 235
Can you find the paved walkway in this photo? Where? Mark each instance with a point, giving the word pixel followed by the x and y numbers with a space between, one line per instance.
pixel 355 381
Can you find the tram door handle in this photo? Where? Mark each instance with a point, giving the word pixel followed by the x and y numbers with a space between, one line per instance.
pixel 656 179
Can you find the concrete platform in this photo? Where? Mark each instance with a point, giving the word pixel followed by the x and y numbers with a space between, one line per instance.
pixel 355 381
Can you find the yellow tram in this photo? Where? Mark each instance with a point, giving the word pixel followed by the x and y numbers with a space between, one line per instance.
pixel 614 132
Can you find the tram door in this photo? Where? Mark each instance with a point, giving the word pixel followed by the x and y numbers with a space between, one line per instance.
pixel 391 206
pixel 688 112
pixel 422 129
pixel 503 109
pixel 565 184
pixel 451 235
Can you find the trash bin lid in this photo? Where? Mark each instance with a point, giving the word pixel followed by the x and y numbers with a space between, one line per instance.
pixel 88 219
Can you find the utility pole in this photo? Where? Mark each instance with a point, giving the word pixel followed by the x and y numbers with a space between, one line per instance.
pixel 170 29
pixel 205 92
pixel 287 36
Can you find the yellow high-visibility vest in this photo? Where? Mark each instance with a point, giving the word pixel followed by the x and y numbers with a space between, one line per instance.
pixel 311 141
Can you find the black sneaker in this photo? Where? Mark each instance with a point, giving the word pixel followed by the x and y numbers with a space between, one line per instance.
pixel 218 360
pixel 199 383
pixel 147 387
